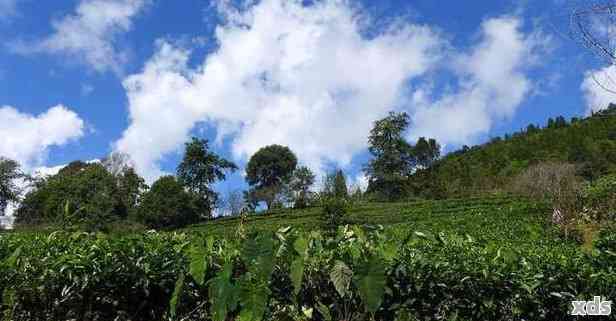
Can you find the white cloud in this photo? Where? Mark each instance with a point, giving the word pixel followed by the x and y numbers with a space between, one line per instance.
pixel 307 77
pixel 26 138
pixel 284 73
pixel 598 87
pixel 91 33
pixel 492 83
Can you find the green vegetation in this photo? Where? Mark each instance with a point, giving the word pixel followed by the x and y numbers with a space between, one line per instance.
pixel 589 143
pixel 356 274
pixel 511 230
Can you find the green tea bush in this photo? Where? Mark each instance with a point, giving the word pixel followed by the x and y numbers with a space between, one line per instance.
pixel 357 274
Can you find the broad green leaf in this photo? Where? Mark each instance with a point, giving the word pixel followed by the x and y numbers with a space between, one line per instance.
pixel 341 275
pixel 175 297
pixel 258 253
pixel 198 264
pixel 324 310
pixel 254 298
pixel 371 283
pixel 297 274
pixel 11 261
pixel 301 246
pixel 223 294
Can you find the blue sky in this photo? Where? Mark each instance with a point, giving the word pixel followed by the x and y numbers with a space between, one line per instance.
pixel 83 78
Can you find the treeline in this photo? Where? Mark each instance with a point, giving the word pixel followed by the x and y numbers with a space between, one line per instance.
pixel 589 144
pixel 95 195
pixel 110 195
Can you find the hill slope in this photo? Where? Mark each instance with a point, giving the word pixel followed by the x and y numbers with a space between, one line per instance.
pixel 499 219
pixel 589 143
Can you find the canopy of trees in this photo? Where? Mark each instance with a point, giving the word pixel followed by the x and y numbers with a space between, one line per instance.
pixel 268 170
pixel 589 144
pixel 9 190
pixel 199 169
pixel 168 205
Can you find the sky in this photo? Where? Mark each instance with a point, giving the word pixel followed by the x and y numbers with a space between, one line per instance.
pixel 81 79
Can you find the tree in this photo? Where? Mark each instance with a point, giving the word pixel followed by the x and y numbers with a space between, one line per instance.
pixel 426 152
pixel 392 160
pixel 268 170
pixel 84 195
pixel 10 173
pixel 131 187
pixel 199 169
pixel 300 184
pixel 340 186
pixel 168 205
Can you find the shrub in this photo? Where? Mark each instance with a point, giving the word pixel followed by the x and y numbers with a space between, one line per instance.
pixel 353 275
pixel 600 198
pixel 555 183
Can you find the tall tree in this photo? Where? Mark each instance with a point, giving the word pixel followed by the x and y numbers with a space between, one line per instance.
pixel 269 169
pixel 10 173
pixel 426 151
pixel 392 159
pixel 199 169
pixel 340 185
pixel 300 184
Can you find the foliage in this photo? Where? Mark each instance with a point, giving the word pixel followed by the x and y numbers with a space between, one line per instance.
pixel 10 173
pixel 340 185
pixel 168 205
pixel 80 194
pixel 588 144
pixel 300 184
pixel 555 183
pixel 599 197
pixel 268 170
pixel 333 213
pixel 392 154
pixel 426 152
pixel 356 274
pixel 199 169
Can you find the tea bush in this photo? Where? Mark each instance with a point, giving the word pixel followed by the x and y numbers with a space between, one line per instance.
pixel 357 274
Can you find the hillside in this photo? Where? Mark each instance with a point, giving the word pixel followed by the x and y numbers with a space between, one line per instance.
pixel 499 219
pixel 589 143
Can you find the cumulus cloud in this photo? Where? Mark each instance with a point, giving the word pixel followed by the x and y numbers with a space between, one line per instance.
pixel 598 87
pixel 492 83
pixel 90 34
pixel 308 77
pixel 26 138
pixel 284 73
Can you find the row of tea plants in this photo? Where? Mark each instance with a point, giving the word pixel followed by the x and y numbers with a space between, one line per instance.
pixel 357 274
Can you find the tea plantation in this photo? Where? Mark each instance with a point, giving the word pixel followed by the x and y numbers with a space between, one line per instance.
pixel 493 258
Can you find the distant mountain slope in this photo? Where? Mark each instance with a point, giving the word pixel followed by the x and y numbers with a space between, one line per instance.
pixel 588 143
